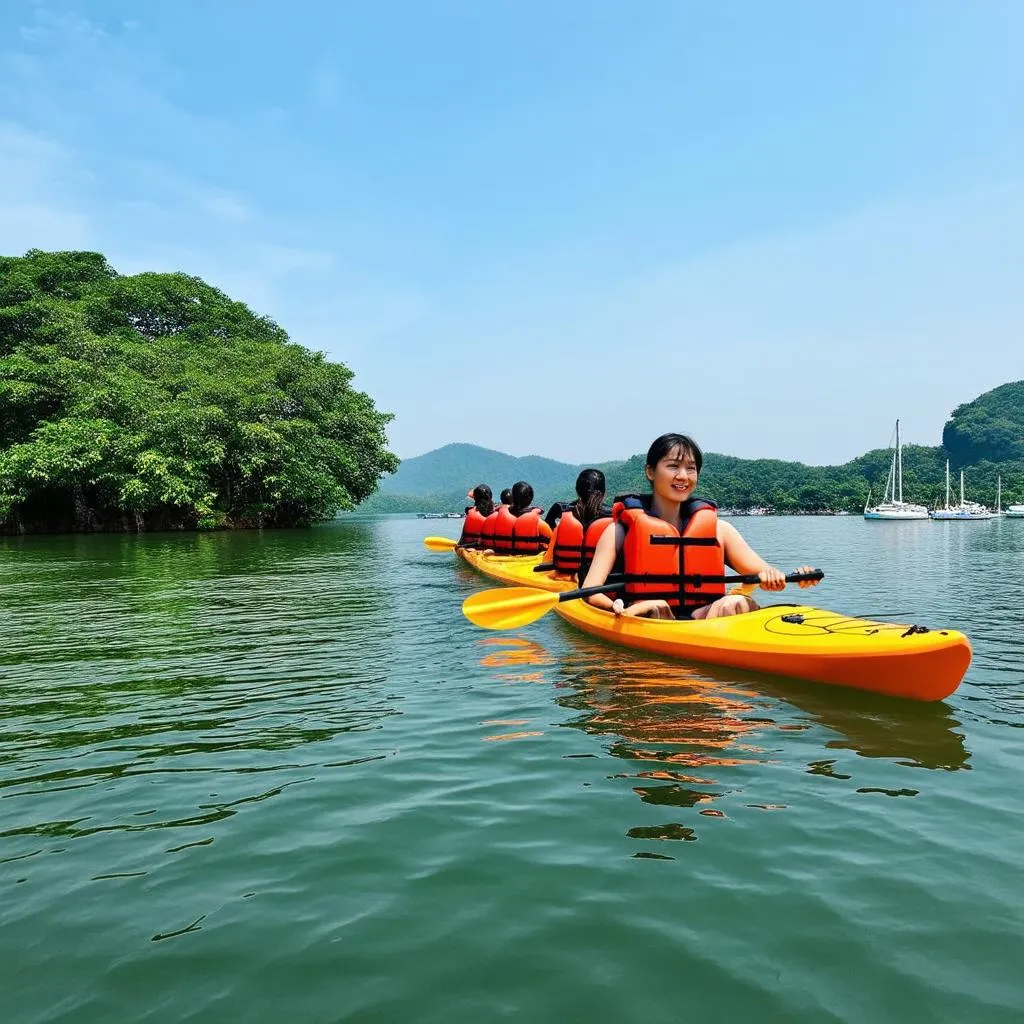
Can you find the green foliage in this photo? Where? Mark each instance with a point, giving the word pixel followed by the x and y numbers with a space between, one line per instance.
pixel 734 483
pixel 991 428
pixel 155 401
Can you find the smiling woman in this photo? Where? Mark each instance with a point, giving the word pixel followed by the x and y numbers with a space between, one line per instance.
pixel 156 402
pixel 669 539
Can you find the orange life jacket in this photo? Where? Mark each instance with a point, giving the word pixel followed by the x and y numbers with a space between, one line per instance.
pixel 659 562
pixel 501 535
pixel 487 529
pixel 572 547
pixel 527 535
pixel 472 529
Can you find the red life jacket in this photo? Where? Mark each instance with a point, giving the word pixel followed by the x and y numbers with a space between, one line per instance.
pixel 526 536
pixel 487 529
pixel 660 562
pixel 472 529
pixel 572 548
pixel 501 536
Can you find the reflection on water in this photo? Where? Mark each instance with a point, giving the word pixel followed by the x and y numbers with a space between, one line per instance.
pixel 685 730
pixel 213 670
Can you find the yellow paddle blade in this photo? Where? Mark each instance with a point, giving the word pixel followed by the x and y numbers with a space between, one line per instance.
pixel 507 607
pixel 439 543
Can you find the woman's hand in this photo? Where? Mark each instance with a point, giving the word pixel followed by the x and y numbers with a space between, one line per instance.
pixel 772 578
pixel 643 609
pixel 804 584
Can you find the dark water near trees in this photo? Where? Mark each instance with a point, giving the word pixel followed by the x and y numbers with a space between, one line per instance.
pixel 277 776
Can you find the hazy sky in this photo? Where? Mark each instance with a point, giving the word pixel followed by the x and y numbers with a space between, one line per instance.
pixel 559 228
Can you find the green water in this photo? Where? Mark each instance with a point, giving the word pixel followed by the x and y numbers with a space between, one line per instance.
pixel 265 777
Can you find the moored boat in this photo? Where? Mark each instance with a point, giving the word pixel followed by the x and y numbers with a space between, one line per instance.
pixel 892 506
pixel 966 511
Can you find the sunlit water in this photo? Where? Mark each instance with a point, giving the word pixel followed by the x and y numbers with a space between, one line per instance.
pixel 278 777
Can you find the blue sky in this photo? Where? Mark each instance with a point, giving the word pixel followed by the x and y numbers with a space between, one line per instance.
pixel 559 229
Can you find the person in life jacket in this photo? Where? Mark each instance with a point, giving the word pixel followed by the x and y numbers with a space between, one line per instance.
pixel 487 532
pixel 667 538
pixel 476 516
pixel 518 528
pixel 577 526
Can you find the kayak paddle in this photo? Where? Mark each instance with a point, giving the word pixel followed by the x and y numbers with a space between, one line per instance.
pixel 510 607
pixel 440 543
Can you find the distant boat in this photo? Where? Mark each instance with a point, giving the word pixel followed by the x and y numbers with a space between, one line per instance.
pixel 966 510
pixel 892 505
pixel 1013 511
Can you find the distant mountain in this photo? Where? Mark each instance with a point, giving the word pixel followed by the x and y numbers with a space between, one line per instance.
pixel 991 428
pixel 457 467
pixel 985 436
pixel 438 480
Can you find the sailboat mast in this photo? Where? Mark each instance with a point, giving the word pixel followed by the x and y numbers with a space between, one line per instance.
pixel 947 485
pixel 961 488
pixel 999 496
pixel 899 456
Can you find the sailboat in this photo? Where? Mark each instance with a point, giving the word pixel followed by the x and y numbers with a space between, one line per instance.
pixel 1013 511
pixel 966 510
pixel 893 506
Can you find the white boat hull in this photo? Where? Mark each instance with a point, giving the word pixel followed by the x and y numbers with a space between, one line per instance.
pixel 958 515
pixel 896 512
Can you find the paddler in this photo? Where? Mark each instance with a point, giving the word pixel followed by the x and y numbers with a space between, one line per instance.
pixel 577 526
pixel 664 539
pixel 518 528
pixel 476 516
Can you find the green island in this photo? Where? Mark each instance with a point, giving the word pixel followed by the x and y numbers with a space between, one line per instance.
pixel 155 402
pixel 984 437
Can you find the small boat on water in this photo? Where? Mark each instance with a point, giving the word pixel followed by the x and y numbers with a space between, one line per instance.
pixel 892 506
pixel 795 640
pixel 966 511
pixel 1011 511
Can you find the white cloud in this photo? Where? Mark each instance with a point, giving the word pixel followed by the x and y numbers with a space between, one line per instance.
pixel 227 207
pixel 804 346
pixel 32 214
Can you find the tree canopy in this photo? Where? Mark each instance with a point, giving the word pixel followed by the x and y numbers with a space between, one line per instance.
pixel 441 478
pixel 989 428
pixel 154 401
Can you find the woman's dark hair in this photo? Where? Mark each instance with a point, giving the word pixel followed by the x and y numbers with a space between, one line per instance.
pixel 506 496
pixel 522 497
pixel 482 499
pixel 590 488
pixel 668 443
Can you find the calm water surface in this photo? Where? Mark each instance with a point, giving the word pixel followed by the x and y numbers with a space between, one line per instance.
pixel 277 776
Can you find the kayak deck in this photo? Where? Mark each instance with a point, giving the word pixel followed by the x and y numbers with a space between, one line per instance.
pixel 515 570
pixel 800 642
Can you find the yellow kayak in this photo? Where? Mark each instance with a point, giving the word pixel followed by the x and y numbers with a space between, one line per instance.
pixel 897 659
pixel 514 570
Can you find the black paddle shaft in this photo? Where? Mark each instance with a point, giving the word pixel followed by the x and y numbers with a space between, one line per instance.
pixel 793 577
